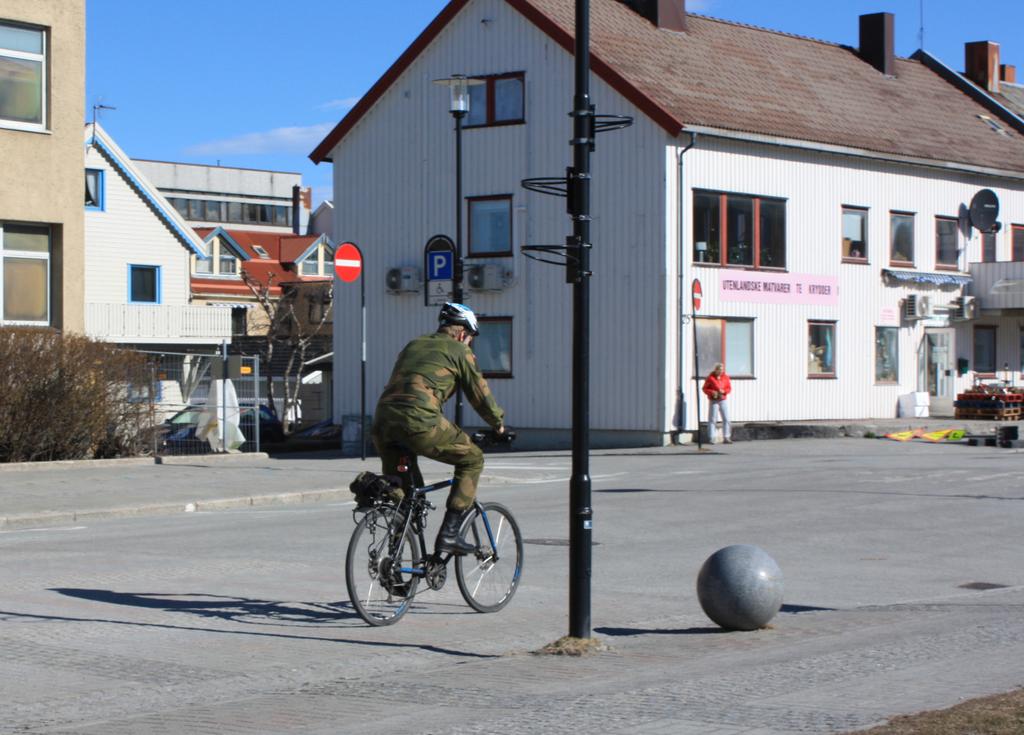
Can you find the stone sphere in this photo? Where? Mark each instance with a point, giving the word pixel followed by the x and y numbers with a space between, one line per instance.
pixel 740 587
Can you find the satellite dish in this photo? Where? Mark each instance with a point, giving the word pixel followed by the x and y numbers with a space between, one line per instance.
pixel 984 210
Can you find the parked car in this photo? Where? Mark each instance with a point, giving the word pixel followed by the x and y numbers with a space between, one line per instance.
pixel 178 433
pixel 326 431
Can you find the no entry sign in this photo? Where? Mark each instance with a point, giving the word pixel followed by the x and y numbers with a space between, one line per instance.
pixel 697 294
pixel 348 262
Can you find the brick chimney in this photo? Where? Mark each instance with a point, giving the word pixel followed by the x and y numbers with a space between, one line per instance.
pixel 1008 73
pixel 877 45
pixel 669 15
pixel 981 64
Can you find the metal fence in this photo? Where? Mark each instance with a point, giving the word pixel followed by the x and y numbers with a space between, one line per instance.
pixel 207 403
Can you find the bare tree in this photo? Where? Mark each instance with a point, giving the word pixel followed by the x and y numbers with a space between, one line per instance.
pixel 294 319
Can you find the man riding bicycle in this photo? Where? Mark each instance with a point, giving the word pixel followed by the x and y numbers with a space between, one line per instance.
pixel 409 414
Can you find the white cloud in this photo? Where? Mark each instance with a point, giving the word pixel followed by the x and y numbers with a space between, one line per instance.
pixel 343 104
pixel 299 139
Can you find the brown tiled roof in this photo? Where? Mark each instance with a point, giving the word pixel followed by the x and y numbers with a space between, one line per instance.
pixel 745 79
pixel 742 78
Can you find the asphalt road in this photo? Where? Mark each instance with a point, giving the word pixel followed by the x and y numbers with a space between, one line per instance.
pixel 237 620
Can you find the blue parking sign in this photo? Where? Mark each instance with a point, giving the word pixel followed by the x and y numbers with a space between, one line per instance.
pixel 439 265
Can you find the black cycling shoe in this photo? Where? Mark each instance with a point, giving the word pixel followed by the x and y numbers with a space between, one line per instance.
pixel 448 537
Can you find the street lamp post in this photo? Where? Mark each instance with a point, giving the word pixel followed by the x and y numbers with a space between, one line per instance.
pixel 458 85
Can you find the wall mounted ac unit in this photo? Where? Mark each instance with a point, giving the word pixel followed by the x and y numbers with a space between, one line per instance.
pixel 963 308
pixel 486 277
pixel 403 280
pixel 917 307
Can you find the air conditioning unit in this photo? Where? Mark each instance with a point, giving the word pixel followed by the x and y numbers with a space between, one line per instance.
pixel 486 277
pixel 917 307
pixel 963 308
pixel 403 280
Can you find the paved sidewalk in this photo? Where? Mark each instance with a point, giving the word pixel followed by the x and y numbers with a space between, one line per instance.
pixel 47 493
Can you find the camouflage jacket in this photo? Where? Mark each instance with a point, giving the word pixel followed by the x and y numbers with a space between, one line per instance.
pixel 425 376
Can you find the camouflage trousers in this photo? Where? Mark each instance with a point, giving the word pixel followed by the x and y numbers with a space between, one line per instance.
pixel 445 443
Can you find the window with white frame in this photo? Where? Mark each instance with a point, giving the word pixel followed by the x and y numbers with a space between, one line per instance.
pixel 24 273
pixel 493 346
pixel 93 189
pixel 498 101
pixel 23 76
pixel 310 266
pixel 728 341
pixel 490 226
pixel 887 355
pixel 144 284
pixel 821 349
pixel 227 262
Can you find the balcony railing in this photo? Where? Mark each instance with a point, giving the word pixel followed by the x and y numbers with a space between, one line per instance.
pixel 157 323
pixel 998 285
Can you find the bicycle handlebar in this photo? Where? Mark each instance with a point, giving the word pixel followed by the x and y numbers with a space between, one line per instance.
pixel 492 438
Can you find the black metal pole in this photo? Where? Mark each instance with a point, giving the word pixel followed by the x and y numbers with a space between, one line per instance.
pixel 580 511
pixel 362 369
pixel 457 269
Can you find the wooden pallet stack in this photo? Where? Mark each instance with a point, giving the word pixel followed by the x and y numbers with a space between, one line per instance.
pixel 990 403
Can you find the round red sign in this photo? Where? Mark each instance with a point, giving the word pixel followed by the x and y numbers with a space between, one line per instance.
pixel 697 294
pixel 348 262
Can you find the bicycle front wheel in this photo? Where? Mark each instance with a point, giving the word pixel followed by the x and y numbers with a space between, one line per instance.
pixel 380 592
pixel 489 577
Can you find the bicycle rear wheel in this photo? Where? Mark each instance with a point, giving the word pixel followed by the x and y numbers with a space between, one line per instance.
pixel 379 591
pixel 489 577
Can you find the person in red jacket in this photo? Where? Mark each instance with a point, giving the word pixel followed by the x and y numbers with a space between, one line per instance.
pixel 717 388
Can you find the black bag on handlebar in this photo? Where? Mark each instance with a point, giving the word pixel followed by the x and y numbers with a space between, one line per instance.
pixel 372 489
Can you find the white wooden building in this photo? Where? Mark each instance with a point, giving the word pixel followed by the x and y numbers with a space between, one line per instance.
pixel 786 174
pixel 137 253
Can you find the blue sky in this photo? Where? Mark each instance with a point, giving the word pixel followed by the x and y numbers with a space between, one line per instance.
pixel 258 83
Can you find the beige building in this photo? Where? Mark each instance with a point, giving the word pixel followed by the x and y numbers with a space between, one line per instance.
pixel 42 98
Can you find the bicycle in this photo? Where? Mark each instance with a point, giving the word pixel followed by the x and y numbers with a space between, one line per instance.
pixel 386 558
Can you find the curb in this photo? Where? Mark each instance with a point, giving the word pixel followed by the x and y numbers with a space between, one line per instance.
pixel 75 464
pixel 48 518
pixel 212 459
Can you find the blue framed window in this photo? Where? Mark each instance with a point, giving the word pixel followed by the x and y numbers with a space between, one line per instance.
pixel 143 284
pixel 94 194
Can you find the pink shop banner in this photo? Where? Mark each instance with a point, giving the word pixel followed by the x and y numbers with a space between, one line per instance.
pixel 780 288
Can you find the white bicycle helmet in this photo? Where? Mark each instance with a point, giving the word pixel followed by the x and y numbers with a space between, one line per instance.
pixel 460 315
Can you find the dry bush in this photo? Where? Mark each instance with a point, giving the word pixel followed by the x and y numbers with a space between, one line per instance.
pixel 70 397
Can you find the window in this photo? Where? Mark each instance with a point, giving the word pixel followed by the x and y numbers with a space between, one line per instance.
pixel 181 205
pixel 490 226
pixel 227 261
pixel 234 212
pixel 728 341
pixel 204 265
pixel 493 347
pixel 752 228
pixel 239 321
pixel 988 247
pixel 855 234
pixel 947 250
pixel 93 189
pixel 22 77
pixel 821 349
pixel 214 211
pixel 887 355
pixel 901 238
pixel 144 284
pixel 1018 243
pixel 498 101
pixel 985 350
pixel 310 267
pixel 24 273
